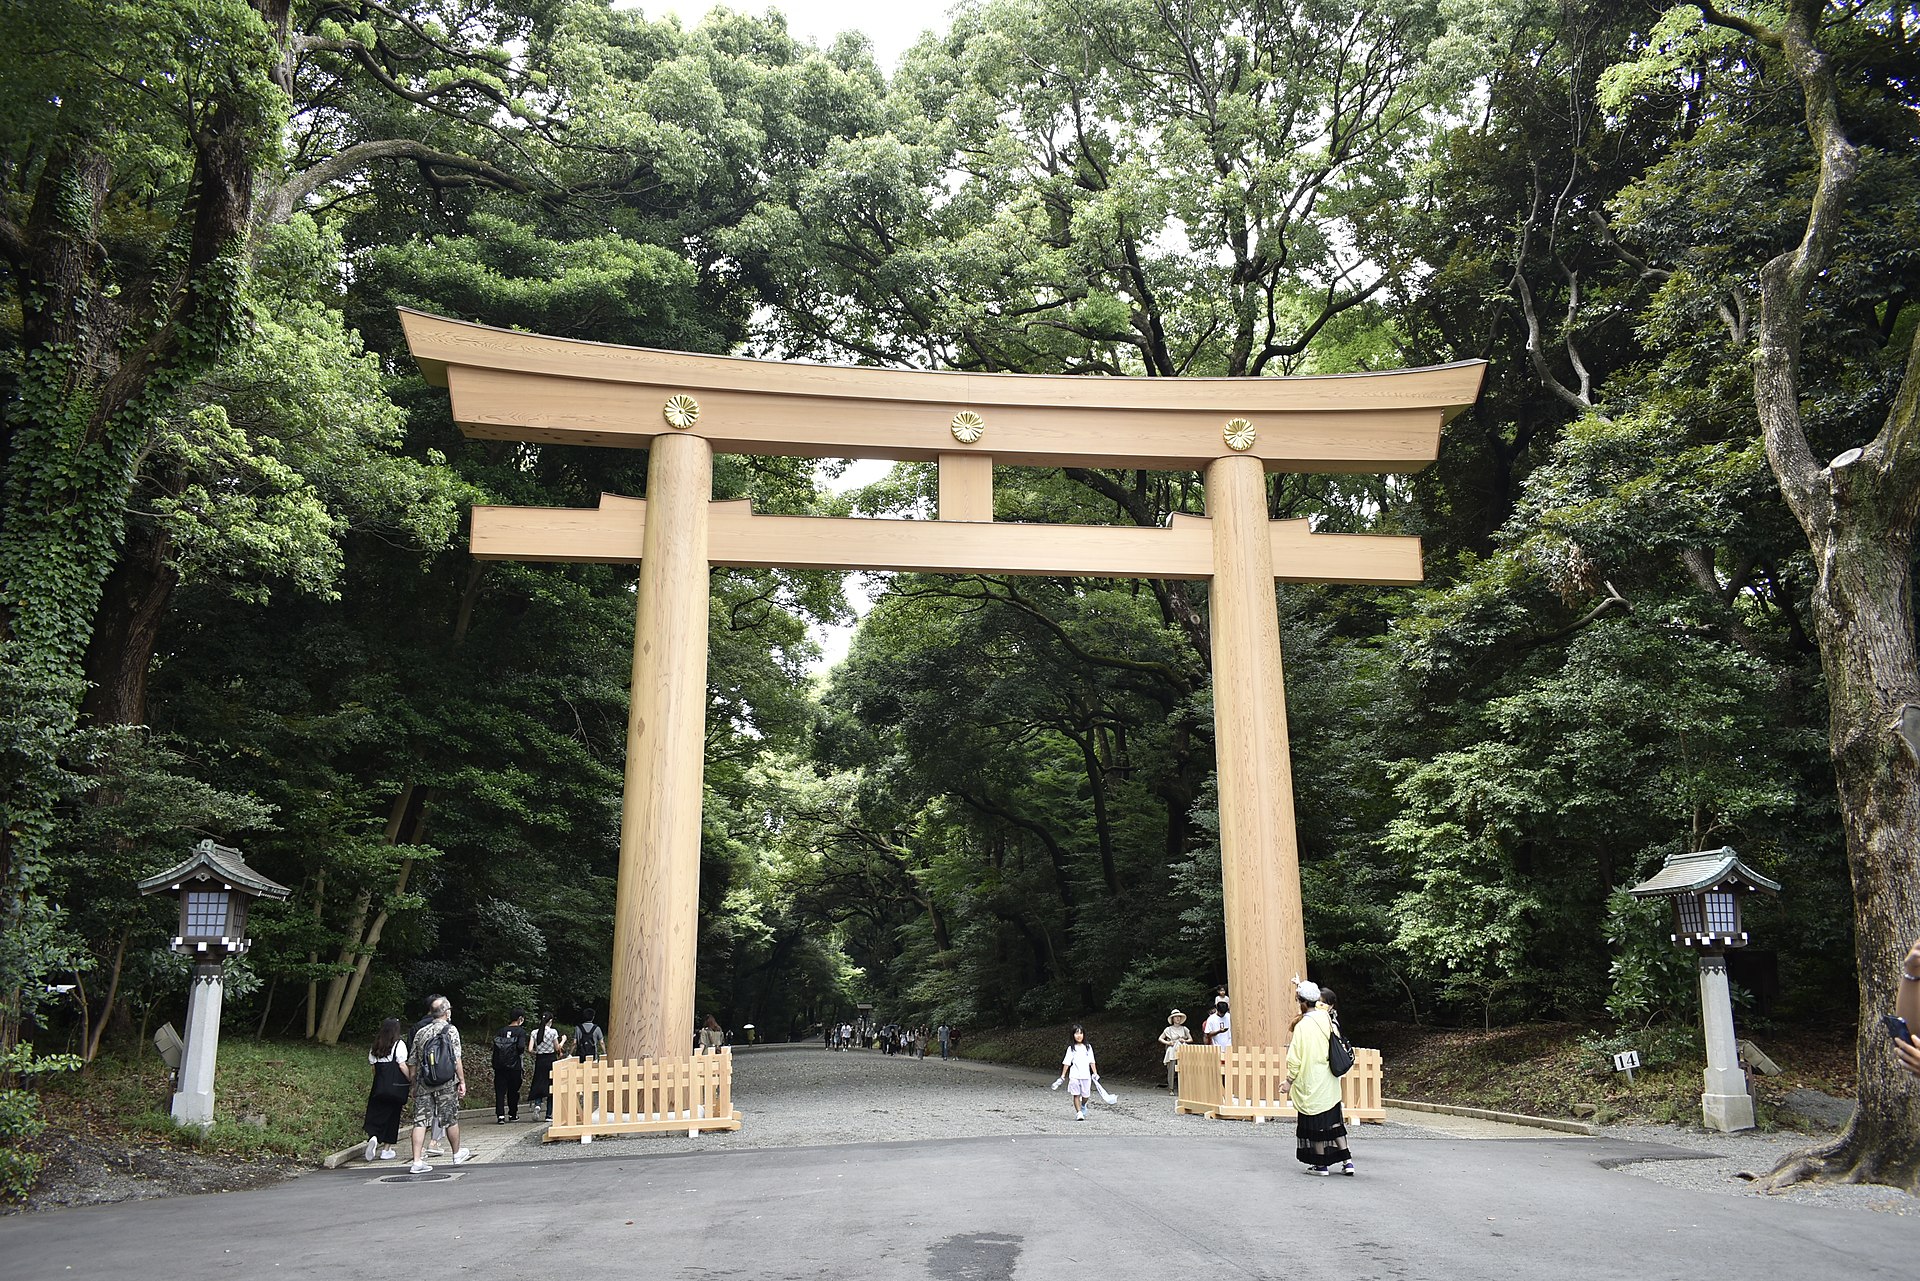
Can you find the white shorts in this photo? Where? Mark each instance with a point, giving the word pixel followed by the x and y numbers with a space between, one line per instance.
pixel 1080 1086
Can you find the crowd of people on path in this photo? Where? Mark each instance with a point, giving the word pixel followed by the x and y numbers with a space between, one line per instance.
pixel 895 1038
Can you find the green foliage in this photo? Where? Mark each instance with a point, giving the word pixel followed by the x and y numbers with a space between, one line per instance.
pixel 20 1117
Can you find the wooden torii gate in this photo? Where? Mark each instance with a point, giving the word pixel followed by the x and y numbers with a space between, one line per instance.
pixel 685 407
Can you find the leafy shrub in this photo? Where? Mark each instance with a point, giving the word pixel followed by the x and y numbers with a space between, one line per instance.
pixel 20 1117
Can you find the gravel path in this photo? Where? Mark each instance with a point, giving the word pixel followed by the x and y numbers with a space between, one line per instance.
pixel 1725 1158
pixel 804 1096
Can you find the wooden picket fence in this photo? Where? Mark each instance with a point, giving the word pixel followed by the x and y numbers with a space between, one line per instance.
pixel 639 1096
pixel 1242 1082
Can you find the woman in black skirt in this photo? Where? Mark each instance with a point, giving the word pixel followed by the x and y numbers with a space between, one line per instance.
pixel 1321 1131
pixel 547 1045
pixel 388 1094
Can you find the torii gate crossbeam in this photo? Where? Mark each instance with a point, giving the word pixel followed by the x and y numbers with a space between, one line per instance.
pixel 685 407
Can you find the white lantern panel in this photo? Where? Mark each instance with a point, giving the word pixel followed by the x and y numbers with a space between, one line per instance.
pixel 206 913
pixel 1723 913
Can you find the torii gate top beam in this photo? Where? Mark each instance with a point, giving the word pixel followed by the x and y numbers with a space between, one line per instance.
pixel 517 386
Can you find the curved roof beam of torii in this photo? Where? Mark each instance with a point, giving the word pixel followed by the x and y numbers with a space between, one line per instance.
pixel 518 386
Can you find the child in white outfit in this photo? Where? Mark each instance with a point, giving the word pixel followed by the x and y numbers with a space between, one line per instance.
pixel 1078 1069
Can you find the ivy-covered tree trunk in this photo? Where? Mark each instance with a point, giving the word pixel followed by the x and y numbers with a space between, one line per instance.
pixel 103 344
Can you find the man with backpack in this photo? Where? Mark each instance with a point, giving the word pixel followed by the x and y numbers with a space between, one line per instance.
pixel 509 1053
pixel 589 1040
pixel 439 1083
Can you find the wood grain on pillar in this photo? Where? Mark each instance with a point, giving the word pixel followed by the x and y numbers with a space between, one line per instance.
pixel 1259 856
pixel 656 915
pixel 966 487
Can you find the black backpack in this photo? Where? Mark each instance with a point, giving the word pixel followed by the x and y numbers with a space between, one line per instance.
pixel 506 1050
pixel 586 1040
pixel 1339 1052
pixel 437 1065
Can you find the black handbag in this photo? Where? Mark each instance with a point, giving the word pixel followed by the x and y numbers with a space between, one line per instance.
pixel 1339 1053
pixel 390 1083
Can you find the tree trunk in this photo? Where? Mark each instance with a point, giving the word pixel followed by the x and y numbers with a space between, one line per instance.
pixel 1863 618
pixel 126 627
pixel 406 824
pixel 313 960
pixel 339 1012
pixel 99 1026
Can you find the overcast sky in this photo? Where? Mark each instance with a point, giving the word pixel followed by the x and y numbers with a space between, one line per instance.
pixel 892 25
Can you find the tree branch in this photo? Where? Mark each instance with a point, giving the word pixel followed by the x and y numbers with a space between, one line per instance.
pixel 281 203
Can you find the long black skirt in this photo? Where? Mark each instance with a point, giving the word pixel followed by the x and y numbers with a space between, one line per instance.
pixel 1322 1138
pixel 383 1118
pixel 542 1078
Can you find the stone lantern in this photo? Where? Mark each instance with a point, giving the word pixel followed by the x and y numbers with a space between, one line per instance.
pixel 1707 888
pixel 215 885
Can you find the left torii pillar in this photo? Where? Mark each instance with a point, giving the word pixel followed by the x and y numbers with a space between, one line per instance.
pixel 656 916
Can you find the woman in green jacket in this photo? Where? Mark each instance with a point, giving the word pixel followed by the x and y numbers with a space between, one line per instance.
pixel 1321 1130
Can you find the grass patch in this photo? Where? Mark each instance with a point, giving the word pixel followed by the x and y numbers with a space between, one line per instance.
pixel 273 1098
pixel 1545 1069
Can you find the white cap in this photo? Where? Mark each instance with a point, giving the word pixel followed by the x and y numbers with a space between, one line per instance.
pixel 1308 991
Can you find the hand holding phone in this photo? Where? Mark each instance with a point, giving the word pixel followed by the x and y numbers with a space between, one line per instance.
pixel 1897 1028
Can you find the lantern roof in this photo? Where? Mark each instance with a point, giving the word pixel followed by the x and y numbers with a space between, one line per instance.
pixel 1701 870
pixel 211 862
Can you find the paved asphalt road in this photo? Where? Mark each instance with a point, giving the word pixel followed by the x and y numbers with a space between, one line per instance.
pixel 1093 1207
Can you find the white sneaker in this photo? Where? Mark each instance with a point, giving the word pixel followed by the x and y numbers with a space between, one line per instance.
pixel 420 1167
pixel 387 1154
pixel 372 1149
pixel 434 1149
pixel 463 1156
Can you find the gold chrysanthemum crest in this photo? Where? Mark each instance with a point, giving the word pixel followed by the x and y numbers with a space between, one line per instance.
pixel 1240 434
pixel 968 426
pixel 681 411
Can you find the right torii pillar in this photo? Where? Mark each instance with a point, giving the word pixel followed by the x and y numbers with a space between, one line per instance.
pixel 1259 853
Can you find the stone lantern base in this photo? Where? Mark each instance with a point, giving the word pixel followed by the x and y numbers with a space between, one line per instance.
pixel 193 1100
pixel 1725 1104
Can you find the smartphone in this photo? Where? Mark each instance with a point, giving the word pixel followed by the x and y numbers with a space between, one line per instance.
pixel 1897 1028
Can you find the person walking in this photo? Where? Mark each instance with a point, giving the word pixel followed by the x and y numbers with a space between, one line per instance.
pixel 509 1066
pixel 945 1034
pixel 712 1035
pixel 589 1040
pixel 1175 1035
pixel 1078 1069
pixel 387 1097
pixel 1321 1131
pixel 439 1083
pixel 547 1045
pixel 436 1137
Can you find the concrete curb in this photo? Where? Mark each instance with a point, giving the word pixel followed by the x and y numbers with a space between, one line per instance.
pixel 1483 1114
pixel 335 1160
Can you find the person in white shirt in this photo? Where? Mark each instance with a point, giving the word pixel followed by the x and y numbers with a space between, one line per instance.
pixel 1078 1069
pixel 1218 1029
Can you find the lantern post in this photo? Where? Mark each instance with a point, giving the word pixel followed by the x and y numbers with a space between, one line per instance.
pixel 215 885
pixel 1706 888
